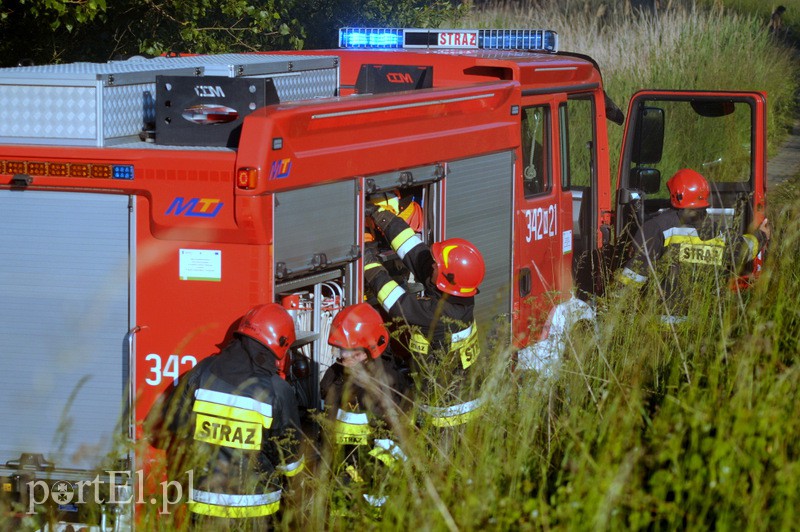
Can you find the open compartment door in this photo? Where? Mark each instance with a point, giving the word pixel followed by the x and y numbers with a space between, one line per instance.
pixel 721 135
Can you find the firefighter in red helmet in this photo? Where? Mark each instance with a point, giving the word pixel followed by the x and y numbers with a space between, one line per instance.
pixel 678 245
pixel 364 396
pixel 441 333
pixel 234 421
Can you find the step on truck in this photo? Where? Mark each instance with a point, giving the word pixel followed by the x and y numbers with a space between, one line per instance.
pixel 146 204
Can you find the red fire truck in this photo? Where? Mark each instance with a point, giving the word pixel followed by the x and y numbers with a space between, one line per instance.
pixel 146 204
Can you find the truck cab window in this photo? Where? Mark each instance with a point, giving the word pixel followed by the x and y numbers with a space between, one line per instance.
pixel 536 150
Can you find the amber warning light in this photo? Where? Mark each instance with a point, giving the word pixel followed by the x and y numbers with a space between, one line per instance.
pixel 67 169
pixel 247 178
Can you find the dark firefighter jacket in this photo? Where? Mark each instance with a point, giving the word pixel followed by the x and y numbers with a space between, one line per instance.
pixel 363 404
pixel 442 333
pixel 681 254
pixel 235 422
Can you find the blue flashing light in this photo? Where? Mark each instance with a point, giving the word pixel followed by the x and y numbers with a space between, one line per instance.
pixel 370 38
pixel 123 171
pixel 545 40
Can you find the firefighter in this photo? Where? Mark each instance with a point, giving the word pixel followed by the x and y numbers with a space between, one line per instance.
pixel 235 422
pixel 678 245
pixel 442 334
pixel 364 396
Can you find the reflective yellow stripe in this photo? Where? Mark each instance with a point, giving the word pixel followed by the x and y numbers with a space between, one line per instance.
pixel 752 245
pixel 629 277
pixel 399 240
pixel 679 231
pixel 234 506
pixel 241 403
pixel 232 412
pixel 353 473
pixel 692 239
pixel 454 415
pixel 389 294
pixel 290 470
pixel 352 428
pixel 465 343
pixel 371 265
pixel 227 432
pixel 387 452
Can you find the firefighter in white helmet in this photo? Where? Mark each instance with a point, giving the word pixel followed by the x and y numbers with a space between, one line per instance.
pixel 680 246
pixel 235 422
pixel 442 337
pixel 365 398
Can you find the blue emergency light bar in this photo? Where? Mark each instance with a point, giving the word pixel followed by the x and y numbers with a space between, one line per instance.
pixel 396 38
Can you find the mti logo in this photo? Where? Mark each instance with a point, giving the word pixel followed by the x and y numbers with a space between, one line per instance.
pixel 280 169
pixel 200 207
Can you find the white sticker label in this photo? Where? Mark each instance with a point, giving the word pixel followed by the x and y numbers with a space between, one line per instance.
pixel 200 265
pixel 566 242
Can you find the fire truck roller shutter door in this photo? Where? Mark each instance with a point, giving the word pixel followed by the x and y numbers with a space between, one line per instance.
pixel 64 289
pixel 309 224
pixel 485 219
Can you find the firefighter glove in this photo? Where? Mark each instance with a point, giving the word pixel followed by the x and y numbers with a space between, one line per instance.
pixel 370 209
pixel 370 254
pixel 382 219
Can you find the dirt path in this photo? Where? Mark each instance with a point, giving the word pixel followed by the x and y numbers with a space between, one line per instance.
pixel 786 164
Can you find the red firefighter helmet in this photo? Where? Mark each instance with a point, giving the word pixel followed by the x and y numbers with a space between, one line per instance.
pixel 270 325
pixel 359 327
pixel 688 189
pixel 461 267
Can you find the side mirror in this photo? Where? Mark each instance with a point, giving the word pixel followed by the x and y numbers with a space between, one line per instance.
pixel 713 109
pixel 648 142
pixel 648 180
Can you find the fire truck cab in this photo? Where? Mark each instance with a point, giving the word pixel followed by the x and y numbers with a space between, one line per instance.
pixel 147 204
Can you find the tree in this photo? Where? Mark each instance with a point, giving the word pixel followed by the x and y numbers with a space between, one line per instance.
pixel 48 31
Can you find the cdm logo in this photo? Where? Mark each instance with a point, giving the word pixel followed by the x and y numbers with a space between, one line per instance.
pixel 198 207
pixel 399 77
pixel 209 91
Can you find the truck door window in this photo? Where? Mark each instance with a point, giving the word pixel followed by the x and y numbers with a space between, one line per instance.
pixel 713 137
pixel 577 125
pixel 536 150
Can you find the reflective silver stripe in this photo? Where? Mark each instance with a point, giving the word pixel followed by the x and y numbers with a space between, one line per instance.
pixel 352 418
pixel 408 245
pixel 391 447
pixel 633 276
pixel 293 467
pixel 680 231
pixel 461 335
pixel 392 298
pixel 673 320
pixel 231 500
pixel 377 502
pixel 454 410
pixel 247 403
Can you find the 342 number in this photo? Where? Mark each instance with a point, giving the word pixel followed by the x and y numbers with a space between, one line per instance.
pixel 164 368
